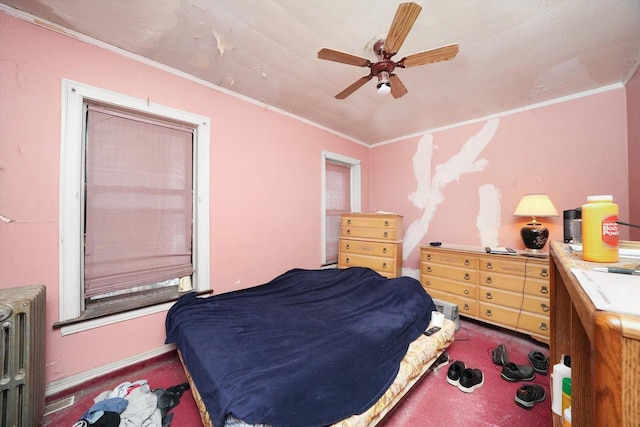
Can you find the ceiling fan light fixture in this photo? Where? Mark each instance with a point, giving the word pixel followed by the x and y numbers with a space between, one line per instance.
pixel 384 85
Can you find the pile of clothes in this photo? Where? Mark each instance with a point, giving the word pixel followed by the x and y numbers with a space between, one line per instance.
pixel 133 404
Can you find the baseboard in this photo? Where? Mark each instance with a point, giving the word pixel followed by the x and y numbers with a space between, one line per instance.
pixel 64 385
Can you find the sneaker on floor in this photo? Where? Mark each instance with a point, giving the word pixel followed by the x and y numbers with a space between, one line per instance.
pixel 512 372
pixel 470 379
pixel 528 395
pixel 441 361
pixel 539 361
pixel 454 372
pixel 500 356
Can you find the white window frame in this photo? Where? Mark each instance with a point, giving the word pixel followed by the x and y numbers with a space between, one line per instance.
pixel 354 180
pixel 71 275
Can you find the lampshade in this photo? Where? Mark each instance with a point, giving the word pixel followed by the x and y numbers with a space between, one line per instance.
pixel 535 205
pixel 534 235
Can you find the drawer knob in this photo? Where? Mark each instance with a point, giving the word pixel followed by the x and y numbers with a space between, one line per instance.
pixel 348 222
pixel 489 313
pixel 386 223
pixel 348 246
pixel 467 262
pixel 384 265
pixel 384 250
pixel 346 260
pixel 489 266
pixel 544 273
pixel 488 280
pixel 428 257
pixel 428 269
pixel 466 292
pixel 544 290
pixel 428 282
pixel 544 327
pixel 466 307
pixel 489 296
pixel 545 307
pixel 467 276
pixel 348 231
pixel 386 234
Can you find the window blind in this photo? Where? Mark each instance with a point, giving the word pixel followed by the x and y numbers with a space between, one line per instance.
pixel 338 196
pixel 138 201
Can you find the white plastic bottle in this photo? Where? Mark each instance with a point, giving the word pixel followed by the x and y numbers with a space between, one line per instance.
pixel 559 372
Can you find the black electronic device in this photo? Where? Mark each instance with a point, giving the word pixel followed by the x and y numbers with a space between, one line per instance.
pixel 435 244
pixel 432 330
pixel 568 217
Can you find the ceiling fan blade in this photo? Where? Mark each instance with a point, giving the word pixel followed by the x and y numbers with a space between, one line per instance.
pixel 397 88
pixel 355 86
pixel 406 15
pixel 444 53
pixel 342 57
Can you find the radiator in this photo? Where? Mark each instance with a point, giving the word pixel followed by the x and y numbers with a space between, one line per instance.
pixel 22 347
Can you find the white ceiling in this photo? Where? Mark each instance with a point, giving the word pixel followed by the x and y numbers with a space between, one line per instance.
pixel 513 53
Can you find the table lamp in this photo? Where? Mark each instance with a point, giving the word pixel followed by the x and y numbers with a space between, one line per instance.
pixel 535 235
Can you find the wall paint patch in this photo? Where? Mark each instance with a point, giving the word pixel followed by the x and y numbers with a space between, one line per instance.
pixel 488 221
pixel 429 187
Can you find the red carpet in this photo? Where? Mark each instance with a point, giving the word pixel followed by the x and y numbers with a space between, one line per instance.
pixel 433 402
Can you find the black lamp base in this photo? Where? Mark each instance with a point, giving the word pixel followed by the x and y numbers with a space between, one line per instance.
pixel 534 235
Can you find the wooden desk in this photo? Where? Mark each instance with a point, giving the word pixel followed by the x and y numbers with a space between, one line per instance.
pixel 604 348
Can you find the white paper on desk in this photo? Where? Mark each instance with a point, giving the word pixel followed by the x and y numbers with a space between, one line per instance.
pixel 619 293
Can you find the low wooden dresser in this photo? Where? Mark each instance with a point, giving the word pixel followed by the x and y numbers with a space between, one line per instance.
pixel 604 347
pixel 371 240
pixel 511 291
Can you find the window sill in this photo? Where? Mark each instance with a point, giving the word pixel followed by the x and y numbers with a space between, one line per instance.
pixel 86 323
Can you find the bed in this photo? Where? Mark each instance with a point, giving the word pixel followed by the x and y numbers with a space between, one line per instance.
pixel 309 348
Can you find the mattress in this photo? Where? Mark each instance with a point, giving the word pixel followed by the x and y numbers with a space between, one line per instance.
pixel 309 348
pixel 416 363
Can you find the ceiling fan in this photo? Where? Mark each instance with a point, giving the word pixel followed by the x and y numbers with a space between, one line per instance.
pixel 384 50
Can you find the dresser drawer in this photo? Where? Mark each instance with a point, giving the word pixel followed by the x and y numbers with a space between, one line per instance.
pixel 515 284
pixel 453 273
pixel 463 289
pixel 371 226
pixel 514 300
pixel 389 222
pixel 369 248
pixel 537 305
pixel 537 288
pixel 379 264
pixel 503 265
pixel 466 306
pixel 501 315
pixel 538 271
pixel 534 324
pixel 516 266
pixel 390 234
pixel 515 319
pixel 449 258
pixel 499 297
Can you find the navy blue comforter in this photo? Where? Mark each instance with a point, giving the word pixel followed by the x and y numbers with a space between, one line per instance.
pixel 309 348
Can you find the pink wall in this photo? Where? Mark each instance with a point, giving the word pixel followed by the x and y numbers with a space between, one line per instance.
pixel 265 181
pixel 568 150
pixel 633 123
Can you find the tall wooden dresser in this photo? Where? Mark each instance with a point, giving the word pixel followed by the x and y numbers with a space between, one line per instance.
pixel 371 240
pixel 511 291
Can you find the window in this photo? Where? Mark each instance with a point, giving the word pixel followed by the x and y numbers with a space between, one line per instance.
pixel 134 216
pixel 340 194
